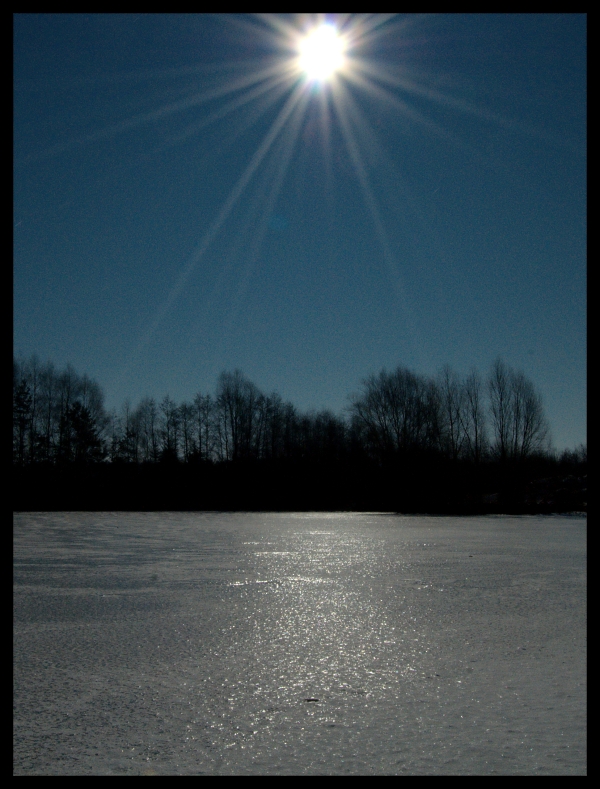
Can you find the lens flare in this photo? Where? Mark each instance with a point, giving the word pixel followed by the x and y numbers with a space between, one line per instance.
pixel 321 53
pixel 335 52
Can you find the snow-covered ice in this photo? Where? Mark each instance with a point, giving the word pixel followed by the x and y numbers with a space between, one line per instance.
pixel 299 643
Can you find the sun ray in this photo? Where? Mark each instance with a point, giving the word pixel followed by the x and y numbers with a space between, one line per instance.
pixel 281 29
pixel 263 207
pixel 323 79
pixel 219 221
pixel 259 210
pixel 300 91
pixel 407 112
pixel 343 100
pixel 277 87
pixel 242 82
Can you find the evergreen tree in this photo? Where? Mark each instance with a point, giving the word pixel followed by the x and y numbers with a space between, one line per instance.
pixel 84 442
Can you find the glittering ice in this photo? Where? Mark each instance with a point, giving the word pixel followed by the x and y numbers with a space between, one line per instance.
pixel 298 643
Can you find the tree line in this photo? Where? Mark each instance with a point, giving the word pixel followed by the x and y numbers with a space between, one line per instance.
pixel 59 416
pixel 398 422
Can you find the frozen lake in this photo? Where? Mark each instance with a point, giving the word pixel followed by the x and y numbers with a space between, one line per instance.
pixel 307 643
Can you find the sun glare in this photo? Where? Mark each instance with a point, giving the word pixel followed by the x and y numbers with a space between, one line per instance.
pixel 310 50
pixel 321 53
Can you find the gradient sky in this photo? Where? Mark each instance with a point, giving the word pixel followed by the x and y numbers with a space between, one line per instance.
pixel 185 204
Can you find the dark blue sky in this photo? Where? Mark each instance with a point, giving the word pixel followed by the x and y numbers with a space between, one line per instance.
pixel 427 207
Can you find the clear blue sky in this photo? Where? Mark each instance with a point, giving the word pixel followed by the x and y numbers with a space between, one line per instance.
pixel 427 206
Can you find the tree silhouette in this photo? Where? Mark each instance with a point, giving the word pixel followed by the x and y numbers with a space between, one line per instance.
pixel 81 439
pixel 238 405
pixel 473 417
pixel 519 424
pixel 397 412
pixel 452 405
pixel 530 429
pixel 500 407
pixel 204 426
pixel 170 430
pixel 406 440
pixel 22 401
pixel 147 420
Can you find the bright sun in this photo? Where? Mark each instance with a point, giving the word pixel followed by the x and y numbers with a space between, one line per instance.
pixel 321 53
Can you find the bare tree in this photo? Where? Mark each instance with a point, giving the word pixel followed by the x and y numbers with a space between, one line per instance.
pixel 452 403
pixel 148 418
pixel 238 405
pixel 69 390
pixel 186 418
pixel 170 429
pixel 113 432
pixel 204 413
pixel 280 427
pixel 473 416
pixel 33 373
pixel 128 443
pixel 273 428
pixel 47 412
pixel 518 420
pixel 397 412
pixel 530 429
pixel 21 420
pixel 323 436
pixel 500 407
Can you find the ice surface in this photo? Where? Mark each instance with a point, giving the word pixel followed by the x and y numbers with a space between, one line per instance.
pixel 312 643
